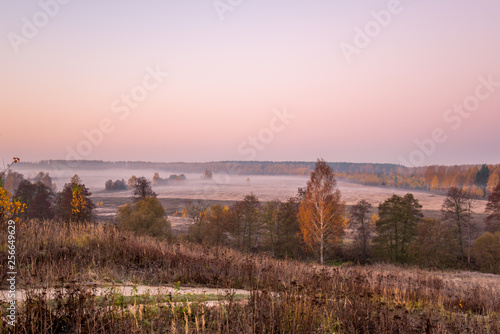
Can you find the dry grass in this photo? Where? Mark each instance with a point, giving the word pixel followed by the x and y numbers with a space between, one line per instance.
pixel 287 296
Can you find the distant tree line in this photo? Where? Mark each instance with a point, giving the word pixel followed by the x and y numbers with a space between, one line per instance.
pixel 477 181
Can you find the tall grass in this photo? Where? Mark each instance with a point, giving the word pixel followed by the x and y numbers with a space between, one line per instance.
pixel 287 296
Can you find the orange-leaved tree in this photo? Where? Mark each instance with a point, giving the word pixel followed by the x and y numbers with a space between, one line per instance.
pixel 321 213
pixel 9 208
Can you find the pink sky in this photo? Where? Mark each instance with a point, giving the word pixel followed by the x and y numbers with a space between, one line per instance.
pixel 227 76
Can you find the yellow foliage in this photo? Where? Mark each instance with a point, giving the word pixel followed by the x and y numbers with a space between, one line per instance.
pixel 10 209
pixel 78 203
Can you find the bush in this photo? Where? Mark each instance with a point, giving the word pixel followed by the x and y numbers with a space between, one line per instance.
pixel 486 252
pixel 146 217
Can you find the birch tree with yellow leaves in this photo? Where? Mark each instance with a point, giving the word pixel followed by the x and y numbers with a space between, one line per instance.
pixel 321 213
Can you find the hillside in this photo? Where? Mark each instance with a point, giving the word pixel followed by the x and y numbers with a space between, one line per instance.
pixel 286 296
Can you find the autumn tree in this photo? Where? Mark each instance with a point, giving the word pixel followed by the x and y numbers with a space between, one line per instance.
pixel 39 200
pixel 361 222
pixel 493 210
pixel 132 181
pixel 456 210
pixel 10 209
pixel 146 217
pixel 142 189
pixel 321 212
pixel 397 227
pixel 73 203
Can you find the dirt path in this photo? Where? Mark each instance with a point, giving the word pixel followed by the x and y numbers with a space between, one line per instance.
pixel 129 290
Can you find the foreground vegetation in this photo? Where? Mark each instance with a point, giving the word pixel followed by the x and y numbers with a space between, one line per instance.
pixel 287 296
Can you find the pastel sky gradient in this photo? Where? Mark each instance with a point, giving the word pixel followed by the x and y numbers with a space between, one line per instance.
pixel 227 76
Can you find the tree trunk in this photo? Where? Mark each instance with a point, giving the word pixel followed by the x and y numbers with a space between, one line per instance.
pixel 321 247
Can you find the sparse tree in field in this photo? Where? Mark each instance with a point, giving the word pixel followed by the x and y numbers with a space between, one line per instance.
pixel 142 189
pixel 397 227
pixel 208 174
pixel 359 218
pixel 486 252
pixel 321 212
pixel 132 181
pixel 435 245
pixel 73 203
pixel 457 210
pixel 39 200
pixel 157 180
pixel 146 216
pixel 115 186
pixel 245 222
pixel 493 210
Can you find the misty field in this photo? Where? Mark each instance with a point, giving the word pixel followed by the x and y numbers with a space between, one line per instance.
pixel 226 189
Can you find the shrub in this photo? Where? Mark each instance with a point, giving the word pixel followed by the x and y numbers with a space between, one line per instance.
pixel 486 252
pixel 146 217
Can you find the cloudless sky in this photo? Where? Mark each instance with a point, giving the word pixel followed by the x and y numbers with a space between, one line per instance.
pixel 228 77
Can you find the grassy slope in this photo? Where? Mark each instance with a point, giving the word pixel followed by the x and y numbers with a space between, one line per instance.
pixel 289 296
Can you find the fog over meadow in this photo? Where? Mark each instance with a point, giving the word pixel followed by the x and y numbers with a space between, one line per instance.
pixel 229 187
